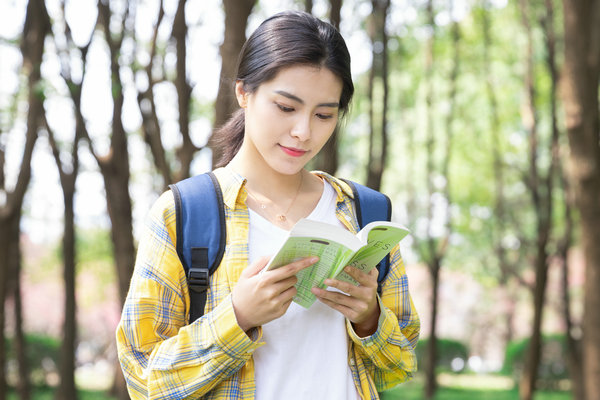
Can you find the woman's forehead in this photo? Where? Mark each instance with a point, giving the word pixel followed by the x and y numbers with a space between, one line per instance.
pixel 305 83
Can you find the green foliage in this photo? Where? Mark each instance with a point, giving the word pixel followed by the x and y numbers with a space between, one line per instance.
pixel 95 267
pixel 94 246
pixel 448 350
pixel 553 364
pixel 46 393
pixel 414 391
pixel 41 352
pixel 94 253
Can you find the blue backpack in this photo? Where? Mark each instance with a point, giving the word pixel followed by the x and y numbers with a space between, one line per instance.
pixel 201 236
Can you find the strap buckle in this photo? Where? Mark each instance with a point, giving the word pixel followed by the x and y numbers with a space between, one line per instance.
pixel 198 279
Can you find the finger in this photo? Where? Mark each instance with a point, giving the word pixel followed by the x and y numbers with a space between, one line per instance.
pixel 374 273
pixel 345 287
pixel 335 297
pixel 345 310
pixel 292 268
pixel 364 279
pixel 280 301
pixel 256 266
pixel 272 289
pixel 287 296
pixel 339 302
pixel 282 307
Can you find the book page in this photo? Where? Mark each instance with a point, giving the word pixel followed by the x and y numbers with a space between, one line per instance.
pixel 381 240
pixel 330 254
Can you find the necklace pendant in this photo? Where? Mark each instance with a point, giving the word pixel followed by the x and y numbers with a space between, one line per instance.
pixel 281 217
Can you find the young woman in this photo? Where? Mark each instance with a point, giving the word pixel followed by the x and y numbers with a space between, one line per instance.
pixel 293 86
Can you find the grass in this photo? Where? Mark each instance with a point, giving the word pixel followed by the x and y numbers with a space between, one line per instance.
pixel 415 392
pixel 445 393
pixel 452 387
pixel 47 393
pixel 469 387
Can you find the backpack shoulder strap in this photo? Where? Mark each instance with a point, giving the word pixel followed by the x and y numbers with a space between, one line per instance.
pixel 372 205
pixel 200 229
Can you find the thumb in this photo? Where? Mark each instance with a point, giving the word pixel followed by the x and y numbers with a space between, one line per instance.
pixel 256 266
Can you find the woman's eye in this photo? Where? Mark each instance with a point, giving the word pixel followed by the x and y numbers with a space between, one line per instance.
pixel 284 108
pixel 324 116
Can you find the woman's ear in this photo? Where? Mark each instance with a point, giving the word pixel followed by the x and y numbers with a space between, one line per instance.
pixel 241 94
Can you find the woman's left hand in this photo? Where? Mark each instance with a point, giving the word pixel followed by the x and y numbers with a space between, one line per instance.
pixel 358 303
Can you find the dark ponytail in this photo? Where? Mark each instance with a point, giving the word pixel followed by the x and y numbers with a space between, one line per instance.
pixel 229 137
pixel 283 40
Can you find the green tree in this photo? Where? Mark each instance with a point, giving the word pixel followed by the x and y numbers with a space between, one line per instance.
pixel 581 81
pixel 36 28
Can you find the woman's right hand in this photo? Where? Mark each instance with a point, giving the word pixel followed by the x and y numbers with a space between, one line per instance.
pixel 259 298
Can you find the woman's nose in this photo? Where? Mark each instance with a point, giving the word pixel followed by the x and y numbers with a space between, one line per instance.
pixel 302 128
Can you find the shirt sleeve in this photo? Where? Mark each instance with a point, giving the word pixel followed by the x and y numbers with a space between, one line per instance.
pixel 389 354
pixel 160 354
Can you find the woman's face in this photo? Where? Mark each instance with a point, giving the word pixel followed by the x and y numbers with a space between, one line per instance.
pixel 290 117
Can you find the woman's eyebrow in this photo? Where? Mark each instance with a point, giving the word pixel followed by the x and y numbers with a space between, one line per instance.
pixel 299 100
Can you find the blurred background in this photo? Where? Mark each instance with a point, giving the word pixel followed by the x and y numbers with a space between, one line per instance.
pixel 479 118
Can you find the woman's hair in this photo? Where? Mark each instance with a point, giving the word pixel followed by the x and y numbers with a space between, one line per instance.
pixel 284 40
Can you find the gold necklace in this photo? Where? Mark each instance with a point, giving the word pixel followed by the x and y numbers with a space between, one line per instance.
pixel 282 216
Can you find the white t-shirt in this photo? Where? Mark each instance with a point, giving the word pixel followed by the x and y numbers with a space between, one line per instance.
pixel 305 355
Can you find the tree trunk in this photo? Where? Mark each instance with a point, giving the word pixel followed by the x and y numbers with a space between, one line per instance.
pixel 498 163
pixel 335 13
pixel 6 223
pixel 573 344
pixel 563 245
pixel 151 131
pixel 437 251
pixel 327 160
pixel 308 6
pixel 185 153
pixel 429 250
pixel 436 248
pixel 580 90
pixel 67 389
pixel 35 29
pixel 151 128
pixel 20 346
pixel 236 19
pixel 541 189
pixel 527 384
pixel 115 165
pixel 115 172
pixel 378 136
pixel 528 379
pixel 431 351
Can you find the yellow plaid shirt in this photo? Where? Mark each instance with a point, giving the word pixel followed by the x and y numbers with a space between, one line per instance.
pixel 164 357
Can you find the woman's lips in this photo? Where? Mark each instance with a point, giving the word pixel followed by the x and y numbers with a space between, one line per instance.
pixel 291 151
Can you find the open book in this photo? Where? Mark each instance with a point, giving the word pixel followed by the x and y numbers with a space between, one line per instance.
pixel 336 248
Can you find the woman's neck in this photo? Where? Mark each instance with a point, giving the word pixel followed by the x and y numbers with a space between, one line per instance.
pixel 263 180
pixel 280 198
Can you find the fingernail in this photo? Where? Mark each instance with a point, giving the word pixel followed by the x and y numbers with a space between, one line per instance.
pixel 314 259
